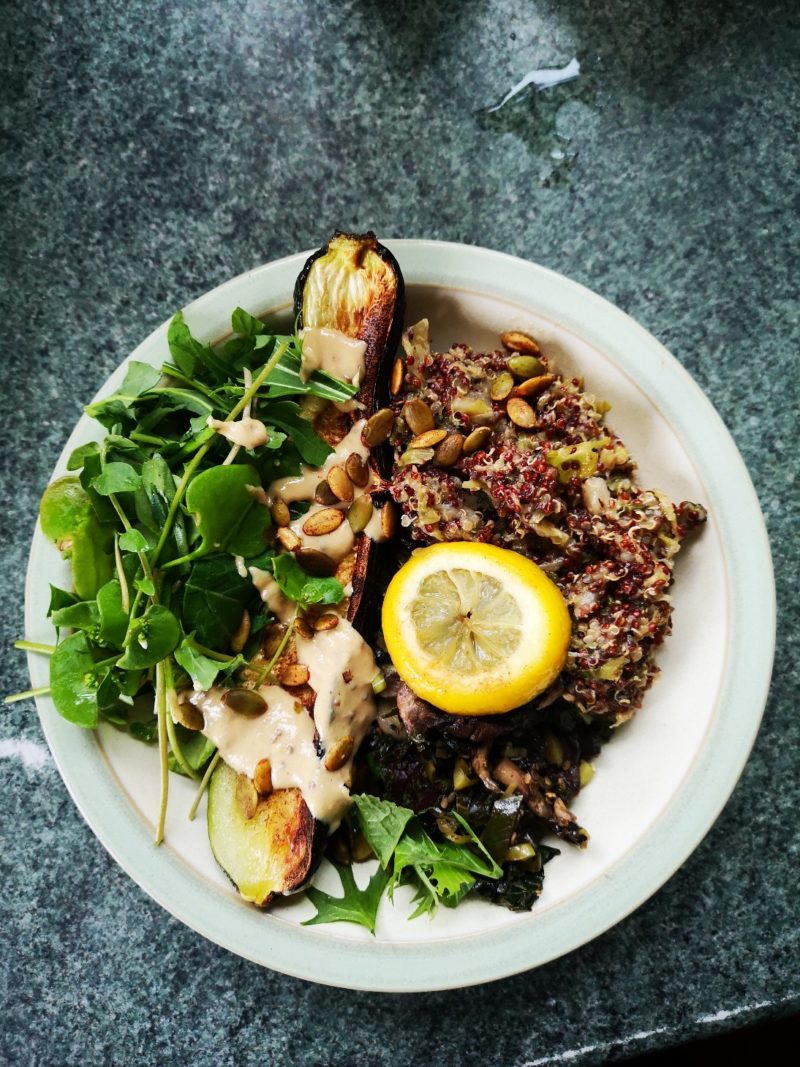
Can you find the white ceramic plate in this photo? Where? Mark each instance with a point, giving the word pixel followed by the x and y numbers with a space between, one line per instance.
pixel 661 783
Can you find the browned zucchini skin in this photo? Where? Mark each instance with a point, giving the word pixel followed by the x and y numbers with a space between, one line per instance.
pixel 381 330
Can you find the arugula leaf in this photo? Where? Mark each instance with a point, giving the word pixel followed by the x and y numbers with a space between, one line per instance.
pixel 187 351
pixel 227 514
pixel 59 598
pixel 382 823
pixel 356 906
pixel 139 378
pixel 116 478
pixel 285 415
pixel 285 379
pixel 214 597
pixel 202 669
pixel 248 325
pixel 297 585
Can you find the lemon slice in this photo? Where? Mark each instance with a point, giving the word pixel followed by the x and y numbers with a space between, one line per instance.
pixel 474 629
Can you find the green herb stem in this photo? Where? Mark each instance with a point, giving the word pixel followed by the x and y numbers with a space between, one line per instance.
pixel 265 673
pixel 172 700
pixel 143 560
pixel 14 697
pixel 35 646
pixel 195 462
pixel 172 371
pixel 161 710
pixel 203 786
pixel 125 595
pixel 147 439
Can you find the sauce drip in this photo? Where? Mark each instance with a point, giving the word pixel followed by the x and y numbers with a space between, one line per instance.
pixel 333 352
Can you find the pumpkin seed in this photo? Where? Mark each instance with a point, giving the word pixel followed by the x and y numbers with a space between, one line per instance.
pixel 378 428
pixel 359 513
pixel 295 674
pixel 288 538
pixel 323 494
pixel 341 486
pixel 534 385
pixel 418 416
pixel 303 627
pixel 339 753
pixel 517 341
pixel 187 715
pixel 396 383
pixel 388 520
pixel 241 633
pixel 477 439
pixel 521 413
pixel 328 621
pixel 246 796
pixel 525 366
pixel 501 386
pixel 415 455
pixel 323 522
pixel 315 562
pixel 280 513
pixel 244 701
pixel 429 439
pixel 449 451
pixel 357 470
pixel 262 779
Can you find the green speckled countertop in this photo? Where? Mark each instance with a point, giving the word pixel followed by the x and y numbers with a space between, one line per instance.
pixel 154 150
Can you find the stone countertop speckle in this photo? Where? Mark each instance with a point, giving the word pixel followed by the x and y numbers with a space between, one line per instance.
pixel 155 150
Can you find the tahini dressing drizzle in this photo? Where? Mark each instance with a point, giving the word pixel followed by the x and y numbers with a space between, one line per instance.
pixel 340 663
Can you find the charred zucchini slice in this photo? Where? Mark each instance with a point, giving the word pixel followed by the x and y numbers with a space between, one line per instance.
pixel 353 284
pixel 268 846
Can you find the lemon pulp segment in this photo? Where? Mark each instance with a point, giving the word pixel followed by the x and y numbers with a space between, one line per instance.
pixel 475 629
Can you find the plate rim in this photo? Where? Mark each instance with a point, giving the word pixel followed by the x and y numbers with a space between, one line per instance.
pixel 407 967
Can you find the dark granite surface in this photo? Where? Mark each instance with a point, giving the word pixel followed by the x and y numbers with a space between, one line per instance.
pixel 154 150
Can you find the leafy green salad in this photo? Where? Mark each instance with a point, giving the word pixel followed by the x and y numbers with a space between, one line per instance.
pixel 160 521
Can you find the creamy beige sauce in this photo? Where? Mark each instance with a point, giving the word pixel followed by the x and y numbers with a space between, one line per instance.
pixel 245 432
pixel 333 352
pixel 269 591
pixel 284 733
pixel 303 486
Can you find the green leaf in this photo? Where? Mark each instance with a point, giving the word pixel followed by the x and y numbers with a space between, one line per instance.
pixel 285 415
pixel 297 585
pixel 65 505
pixel 187 351
pixel 81 616
pixel 202 669
pixel 91 561
pixel 117 478
pixel 214 597
pixel 74 682
pixel 382 823
pixel 77 455
pixel 196 748
pixel 356 906
pixel 59 598
pixel 139 378
pixel 248 325
pixel 134 541
pixel 113 620
pixel 151 637
pixel 227 515
pixel 285 379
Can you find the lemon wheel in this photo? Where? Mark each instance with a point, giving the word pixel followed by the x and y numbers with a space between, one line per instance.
pixel 475 629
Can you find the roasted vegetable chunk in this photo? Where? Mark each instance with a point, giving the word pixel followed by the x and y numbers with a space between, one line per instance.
pixel 268 846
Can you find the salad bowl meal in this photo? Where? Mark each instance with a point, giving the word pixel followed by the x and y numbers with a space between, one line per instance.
pixel 353 595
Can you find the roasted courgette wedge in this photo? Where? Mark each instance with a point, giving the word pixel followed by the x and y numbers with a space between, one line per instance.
pixel 354 284
pixel 268 846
